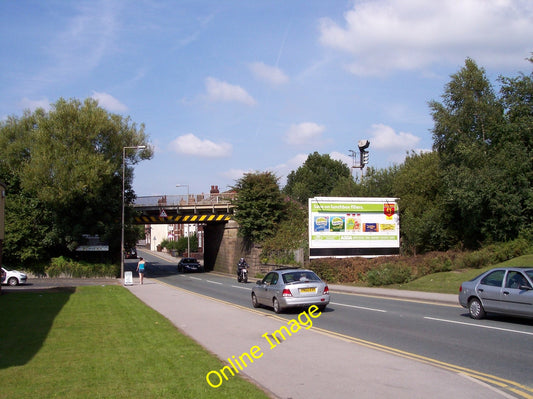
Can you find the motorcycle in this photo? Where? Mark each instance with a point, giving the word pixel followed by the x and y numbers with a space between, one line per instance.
pixel 242 274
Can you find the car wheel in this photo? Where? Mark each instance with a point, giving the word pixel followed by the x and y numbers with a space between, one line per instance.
pixel 321 307
pixel 13 281
pixel 255 303
pixel 476 309
pixel 276 306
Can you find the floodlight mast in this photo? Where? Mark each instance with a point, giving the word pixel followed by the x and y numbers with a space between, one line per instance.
pixel 363 155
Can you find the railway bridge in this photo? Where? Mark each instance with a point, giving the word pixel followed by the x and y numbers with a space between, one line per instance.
pixel 222 246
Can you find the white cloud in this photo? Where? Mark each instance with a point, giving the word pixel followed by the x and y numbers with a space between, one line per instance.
pixel 189 144
pixel 283 170
pixel 109 102
pixel 269 73
pixel 223 91
pixel 384 137
pixel 235 174
pixel 337 156
pixel 32 105
pixel 386 35
pixel 304 133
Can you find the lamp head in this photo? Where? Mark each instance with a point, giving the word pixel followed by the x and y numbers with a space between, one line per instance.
pixel 363 144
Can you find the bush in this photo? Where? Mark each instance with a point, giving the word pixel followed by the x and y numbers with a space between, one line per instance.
pixel 389 273
pixel 180 246
pixel 65 267
pixel 388 270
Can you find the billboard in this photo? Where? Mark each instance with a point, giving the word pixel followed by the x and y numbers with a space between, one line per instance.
pixel 350 226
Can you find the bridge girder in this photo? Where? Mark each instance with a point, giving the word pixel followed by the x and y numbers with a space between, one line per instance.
pixel 211 214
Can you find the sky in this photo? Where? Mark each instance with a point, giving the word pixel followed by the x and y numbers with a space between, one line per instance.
pixel 237 86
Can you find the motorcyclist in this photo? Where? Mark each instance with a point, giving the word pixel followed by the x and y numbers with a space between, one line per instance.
pixel 241 265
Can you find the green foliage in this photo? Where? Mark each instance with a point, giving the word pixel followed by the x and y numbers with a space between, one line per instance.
pixel 259 206
pixel 290 234
pixel 63 169
pixel 65 267
pixel 484 148
pixel 316 177
pixel 180 246
pixel 382 271
pixel 388 274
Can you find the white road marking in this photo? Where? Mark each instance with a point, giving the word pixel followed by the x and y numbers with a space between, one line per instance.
pixel 480 326
pixel 358 307
pixel 241 287
pixel 195 278
pixel 214 282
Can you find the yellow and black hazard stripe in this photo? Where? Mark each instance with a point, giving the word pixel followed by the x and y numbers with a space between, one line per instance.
pixel 196 218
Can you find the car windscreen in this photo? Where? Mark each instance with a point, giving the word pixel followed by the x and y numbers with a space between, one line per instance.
pixel 295 277
pixel 530 274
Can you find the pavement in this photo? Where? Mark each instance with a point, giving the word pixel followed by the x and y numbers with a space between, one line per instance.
pixel 310 363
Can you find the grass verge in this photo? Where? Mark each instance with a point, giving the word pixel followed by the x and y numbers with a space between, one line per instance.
pixel 449 282
pixel 101 342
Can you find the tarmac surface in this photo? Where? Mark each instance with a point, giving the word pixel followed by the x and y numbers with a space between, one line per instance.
pixel 308 364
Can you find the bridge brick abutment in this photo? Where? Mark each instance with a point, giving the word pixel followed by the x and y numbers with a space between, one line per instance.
pixel 224 248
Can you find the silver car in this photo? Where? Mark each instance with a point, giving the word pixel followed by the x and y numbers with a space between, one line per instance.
pixel 290 288
pixel 504 290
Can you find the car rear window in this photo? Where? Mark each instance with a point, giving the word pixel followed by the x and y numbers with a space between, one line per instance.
pixel 293 277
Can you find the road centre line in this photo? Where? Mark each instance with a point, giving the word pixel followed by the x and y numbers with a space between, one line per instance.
pixel 195 278
pixel 242 288
pixel 480 326
pixel 214 282
pixel 358 307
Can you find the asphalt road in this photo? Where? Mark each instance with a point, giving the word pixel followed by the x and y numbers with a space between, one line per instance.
pixel 500 347
pixel 496 346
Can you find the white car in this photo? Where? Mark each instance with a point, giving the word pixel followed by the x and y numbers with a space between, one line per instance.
pixel 13 277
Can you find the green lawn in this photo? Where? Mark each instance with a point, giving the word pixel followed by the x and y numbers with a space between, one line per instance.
pixel 449 282
pixel 101 342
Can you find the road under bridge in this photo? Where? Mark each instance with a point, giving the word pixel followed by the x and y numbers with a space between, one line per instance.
pixel 222 246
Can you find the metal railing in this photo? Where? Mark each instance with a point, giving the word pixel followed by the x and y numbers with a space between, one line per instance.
pixel 182 200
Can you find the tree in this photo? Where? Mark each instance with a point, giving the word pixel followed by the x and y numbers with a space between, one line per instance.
pixel 468 118
pixel 418 185
pixel 259 206
pixel 316 177
pixel 64 169
pixel 484 168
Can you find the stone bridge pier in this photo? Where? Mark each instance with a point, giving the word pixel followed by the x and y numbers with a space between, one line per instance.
pixel 224 248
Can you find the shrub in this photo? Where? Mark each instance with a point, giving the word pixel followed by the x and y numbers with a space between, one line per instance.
pixel 389 273
pixel 65 267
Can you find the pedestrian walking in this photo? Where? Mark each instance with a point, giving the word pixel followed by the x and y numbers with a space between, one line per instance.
pixel 140 269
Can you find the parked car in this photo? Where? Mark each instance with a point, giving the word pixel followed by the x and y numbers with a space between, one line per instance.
pixel 289 288
pixel 503 290
pixel 13 277
pixel 190 265
pixel 130 253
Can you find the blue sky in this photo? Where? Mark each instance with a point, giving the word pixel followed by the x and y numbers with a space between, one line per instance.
pixel 229 87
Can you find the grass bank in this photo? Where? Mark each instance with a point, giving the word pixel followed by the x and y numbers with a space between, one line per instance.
pixel 449 282
pixel 101 342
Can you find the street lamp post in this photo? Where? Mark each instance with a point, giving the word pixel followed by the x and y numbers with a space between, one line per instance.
pixel 137 147
pixel 188 238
